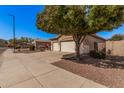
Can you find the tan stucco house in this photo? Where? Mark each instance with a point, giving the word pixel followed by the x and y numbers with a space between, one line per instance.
pixel 65 43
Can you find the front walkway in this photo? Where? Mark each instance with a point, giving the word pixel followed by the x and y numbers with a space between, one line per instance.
pixel 34 70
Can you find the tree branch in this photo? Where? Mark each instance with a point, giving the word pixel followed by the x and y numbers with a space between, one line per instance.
pixel 82 39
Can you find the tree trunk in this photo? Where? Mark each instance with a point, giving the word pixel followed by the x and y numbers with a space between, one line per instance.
pixel 78 52
pixel 78 39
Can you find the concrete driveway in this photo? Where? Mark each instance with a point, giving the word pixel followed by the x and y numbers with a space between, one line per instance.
pixel 34 70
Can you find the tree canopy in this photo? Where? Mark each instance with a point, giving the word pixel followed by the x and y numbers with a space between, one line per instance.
pixel 80 19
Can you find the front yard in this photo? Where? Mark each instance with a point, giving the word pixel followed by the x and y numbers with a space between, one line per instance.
pixel 106 72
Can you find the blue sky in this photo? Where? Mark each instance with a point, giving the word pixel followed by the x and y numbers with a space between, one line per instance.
pixel 109 34
pixel 25 23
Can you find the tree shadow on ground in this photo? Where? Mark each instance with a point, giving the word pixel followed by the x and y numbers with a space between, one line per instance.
pixel 116 62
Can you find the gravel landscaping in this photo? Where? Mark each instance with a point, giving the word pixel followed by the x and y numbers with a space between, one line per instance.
pixel 106 72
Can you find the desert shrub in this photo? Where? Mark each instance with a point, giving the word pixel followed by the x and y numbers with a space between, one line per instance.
pixel 97 54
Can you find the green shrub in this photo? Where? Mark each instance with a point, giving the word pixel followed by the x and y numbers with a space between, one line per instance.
pixel 32 48
pixel 97 54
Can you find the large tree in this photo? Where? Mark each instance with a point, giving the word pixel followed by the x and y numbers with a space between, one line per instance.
pixel 25 39
pixel 79 21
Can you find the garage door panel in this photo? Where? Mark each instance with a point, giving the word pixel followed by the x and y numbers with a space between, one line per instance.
pixel 68 46
pixel 84 49
pixel 56 47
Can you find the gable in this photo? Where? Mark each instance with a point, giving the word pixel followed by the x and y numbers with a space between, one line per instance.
pixel 70 38
pixel 65 38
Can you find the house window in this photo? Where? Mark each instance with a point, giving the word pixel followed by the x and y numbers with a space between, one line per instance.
pixel 95 46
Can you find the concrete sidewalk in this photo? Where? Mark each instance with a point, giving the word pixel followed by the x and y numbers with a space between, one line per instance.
pixel 35 71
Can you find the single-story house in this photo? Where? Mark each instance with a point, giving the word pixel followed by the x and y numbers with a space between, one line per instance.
pixel 65 43
pixel 38 43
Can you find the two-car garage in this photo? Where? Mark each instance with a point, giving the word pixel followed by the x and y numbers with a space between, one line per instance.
pixel 64 46
pixel 69 46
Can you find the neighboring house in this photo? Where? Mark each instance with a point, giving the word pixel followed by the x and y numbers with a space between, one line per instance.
pixel 38 43
pixel 24 44
pixel 65 43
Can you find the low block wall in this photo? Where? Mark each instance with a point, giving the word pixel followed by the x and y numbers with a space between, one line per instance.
pixel 115 48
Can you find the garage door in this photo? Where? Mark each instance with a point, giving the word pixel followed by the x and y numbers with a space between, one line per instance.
pixel 56 47
pixel 68 46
